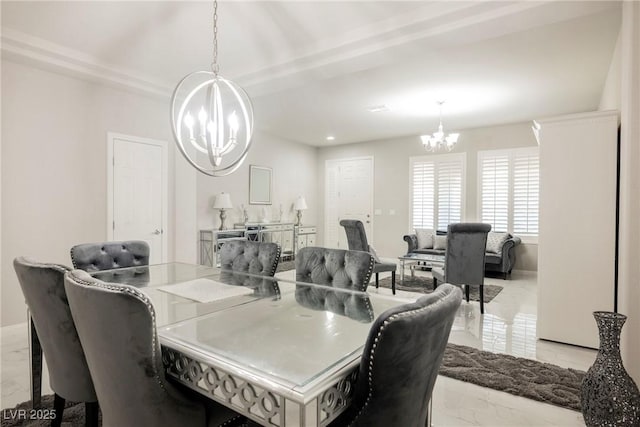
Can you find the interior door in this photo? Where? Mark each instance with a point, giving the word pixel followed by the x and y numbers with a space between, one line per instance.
pixel 138 194
pixel 348 195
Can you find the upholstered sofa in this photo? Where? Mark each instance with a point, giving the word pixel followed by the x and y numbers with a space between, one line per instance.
pixel 499 259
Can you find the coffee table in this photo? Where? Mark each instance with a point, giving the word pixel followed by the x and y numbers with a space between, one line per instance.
pixel 413 259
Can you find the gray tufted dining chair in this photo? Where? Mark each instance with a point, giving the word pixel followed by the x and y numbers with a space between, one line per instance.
pixel 464 257
pixel 110 255
pixel 400 362
pixel 334 267
pixel 69 377
pixel 260 258
pixel 125 360
pixel 357 241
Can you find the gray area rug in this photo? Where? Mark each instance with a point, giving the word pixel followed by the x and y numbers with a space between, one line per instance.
pixel 522 377
pixel 424 285
pixel 285 266
pixel 515 375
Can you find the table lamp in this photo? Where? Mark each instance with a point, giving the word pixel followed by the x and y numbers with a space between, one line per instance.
pixel 300 205
pixel 222 202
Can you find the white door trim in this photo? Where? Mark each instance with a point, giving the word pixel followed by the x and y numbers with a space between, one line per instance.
pixel 329 162
pixel 111 137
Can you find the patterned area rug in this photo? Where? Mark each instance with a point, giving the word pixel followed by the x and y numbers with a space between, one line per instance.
pixel 425 285
pixel 515 375
pixel 539 381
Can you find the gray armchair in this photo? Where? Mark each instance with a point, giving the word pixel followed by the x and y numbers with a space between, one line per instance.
pixel 116 326
pixel 464 258
pixel 400 362
pixel 69 377
pixel 334 267
pixel 357 241
pixel 110 255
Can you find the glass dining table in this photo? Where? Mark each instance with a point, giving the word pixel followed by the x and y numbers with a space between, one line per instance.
pixel 282 353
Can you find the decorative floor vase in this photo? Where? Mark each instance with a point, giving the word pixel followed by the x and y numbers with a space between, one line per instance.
pixel 609 395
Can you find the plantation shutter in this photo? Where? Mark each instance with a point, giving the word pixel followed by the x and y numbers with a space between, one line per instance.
pixel 509 189
pixel 449 193
pixel 437 186
pixel 423 194
pixel 526 167
pixel 494 195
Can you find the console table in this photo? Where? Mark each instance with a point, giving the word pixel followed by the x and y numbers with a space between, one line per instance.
pixel 211 240
pixel 291 238
pixel 305 235
pixel 281 233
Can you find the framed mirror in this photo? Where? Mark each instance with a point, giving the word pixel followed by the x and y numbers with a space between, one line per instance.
pixel 260 185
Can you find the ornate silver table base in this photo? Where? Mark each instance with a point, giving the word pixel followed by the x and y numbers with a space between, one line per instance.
pixel 255 402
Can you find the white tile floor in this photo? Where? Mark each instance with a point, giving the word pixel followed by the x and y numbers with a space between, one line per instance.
pixel 508 326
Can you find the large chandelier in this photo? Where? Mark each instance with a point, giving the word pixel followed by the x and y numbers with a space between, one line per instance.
pixel 213 124
pixel 438 139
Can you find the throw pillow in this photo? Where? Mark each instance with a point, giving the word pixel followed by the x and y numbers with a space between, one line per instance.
pixel 425 238
pixel 439 242
pixel 495 241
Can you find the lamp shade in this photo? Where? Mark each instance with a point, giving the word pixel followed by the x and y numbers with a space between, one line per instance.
pixel 300 204
pixel 222 201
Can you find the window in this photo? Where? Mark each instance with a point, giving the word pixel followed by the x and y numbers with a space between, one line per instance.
pixel 508 189
pixel 437 187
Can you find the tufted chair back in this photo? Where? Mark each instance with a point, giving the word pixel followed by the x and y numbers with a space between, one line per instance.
pixel 464 256
pixel 334 267
pixel 245 256
pixel 125 358
pixel 110 255
pixel 356 235
pixel 400 362
pixel 353 305
pixel 43 289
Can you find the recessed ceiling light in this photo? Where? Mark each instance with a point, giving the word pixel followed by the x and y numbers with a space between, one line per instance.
pixel 331 138
pixel 378 108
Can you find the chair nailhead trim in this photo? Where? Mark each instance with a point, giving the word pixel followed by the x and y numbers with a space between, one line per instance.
pixel 145 300
pixel 389 320
pixel 231 420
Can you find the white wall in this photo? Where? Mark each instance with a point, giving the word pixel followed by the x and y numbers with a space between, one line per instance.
pixel 629 279
pixel 54 133
pixel 611 95
pixel 391 181
pixel 294 173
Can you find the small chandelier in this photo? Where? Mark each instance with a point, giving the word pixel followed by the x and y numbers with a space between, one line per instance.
pixel 213 125
pixel 438 140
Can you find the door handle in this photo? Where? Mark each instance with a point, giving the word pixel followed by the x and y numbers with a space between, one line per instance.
pixel 157 232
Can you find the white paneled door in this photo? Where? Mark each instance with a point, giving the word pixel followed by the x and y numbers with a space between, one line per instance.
pixel 138 196
pixel 348 195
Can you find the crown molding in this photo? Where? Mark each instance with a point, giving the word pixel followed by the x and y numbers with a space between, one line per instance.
pixel 428 23
pixel 332 56
pixel 22 47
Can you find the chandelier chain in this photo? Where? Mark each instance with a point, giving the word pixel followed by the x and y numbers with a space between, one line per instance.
pixel 214 65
